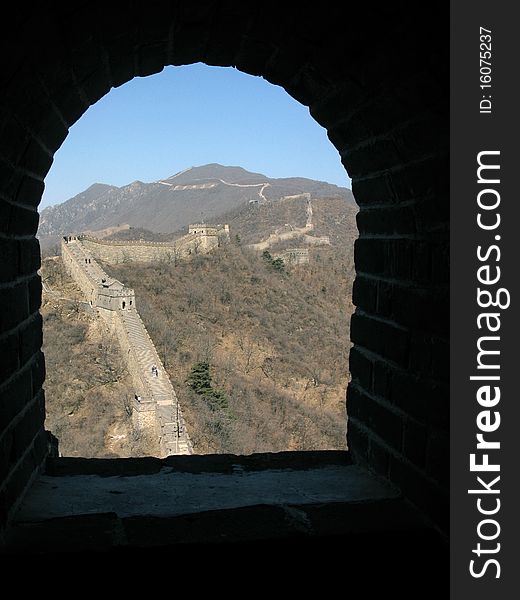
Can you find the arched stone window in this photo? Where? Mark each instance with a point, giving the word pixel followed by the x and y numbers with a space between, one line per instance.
pixel 379 88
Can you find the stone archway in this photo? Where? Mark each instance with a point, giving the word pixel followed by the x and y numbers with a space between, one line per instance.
pixel 377 84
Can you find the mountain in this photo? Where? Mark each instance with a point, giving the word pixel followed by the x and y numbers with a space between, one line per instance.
pixel 276 340
pixel 167 205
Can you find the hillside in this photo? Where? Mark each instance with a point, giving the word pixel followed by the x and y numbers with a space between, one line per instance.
pixel 87 387
pixel 276 342
pixel 333 217
pixel 170 204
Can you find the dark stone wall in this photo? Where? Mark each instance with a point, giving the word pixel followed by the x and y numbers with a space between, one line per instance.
pixel 376 80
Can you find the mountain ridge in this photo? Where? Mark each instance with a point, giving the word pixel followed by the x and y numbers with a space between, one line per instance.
pixel 197 193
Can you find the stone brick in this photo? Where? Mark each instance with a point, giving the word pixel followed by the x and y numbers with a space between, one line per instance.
pixel 421 136
pixel 35 293
pixel 373 191
pixel 120 49
pixel 9 347
pixel 32 107
pixel 426 401
pixel 6 445
pixel 151 59
pixel 14 397
pixel 421 353
pixel 37 373
pixel 377 416
pixel 364 293
pixel 385 299
pixel 29 256
pixel 422 264
pixel 391 258
pixel 440 257
pixel 357 439
pixel 361 368
pixel 10 180
pixel 385 114
pixel 400 258
pixel 26 429
pixel 333 107
pixel 31 338
pixel 9 263
pixel 433 214
pixel 419 308
pixel 288 62
pixel 14 305
pixel 379 156
pixel 36 159
pixel 5 217
pixel 23 221
pixel 382 376
pixel 421 491
pixel 383 338
pixel 18 479
pixel 390 221
pixel 306 85
pixel 14 137
pixel 425 178
pixel 378 457
pixel 86 57
pixel 52 131
pixel 70 103
pixel 406 392
pixel 96 85
pixel 253 55
pixel 348 133
pixel 369 256
pixel 30 192
pixel 190 43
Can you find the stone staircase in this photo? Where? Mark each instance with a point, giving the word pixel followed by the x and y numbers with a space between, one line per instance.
pixel 174 438
pixel 158 408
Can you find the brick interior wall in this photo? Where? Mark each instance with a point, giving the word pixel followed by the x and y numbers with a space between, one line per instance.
pixel 377 82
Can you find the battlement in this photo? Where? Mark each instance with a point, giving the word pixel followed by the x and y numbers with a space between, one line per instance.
pixel 295 256
pixel 101 290
pixel 201 239
pixel 202 229
pixel 156 408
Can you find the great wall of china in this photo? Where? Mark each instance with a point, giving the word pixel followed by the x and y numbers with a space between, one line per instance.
pixel 295 256
pixel 155 409
pixel 201 238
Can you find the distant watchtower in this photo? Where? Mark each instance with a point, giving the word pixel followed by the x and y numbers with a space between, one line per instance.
pixel 202 229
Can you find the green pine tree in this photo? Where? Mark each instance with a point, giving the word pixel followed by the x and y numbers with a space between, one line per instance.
pixel 266 255
pixel 199 378
pixel 278 264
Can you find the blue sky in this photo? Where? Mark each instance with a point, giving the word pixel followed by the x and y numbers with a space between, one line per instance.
pixel 153 127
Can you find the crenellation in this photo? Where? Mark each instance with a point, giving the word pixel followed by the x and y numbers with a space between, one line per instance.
pixel 294 256
pixel 155 411
pixel 200 239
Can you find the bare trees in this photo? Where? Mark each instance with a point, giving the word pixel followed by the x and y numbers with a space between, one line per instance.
pixel 272 342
